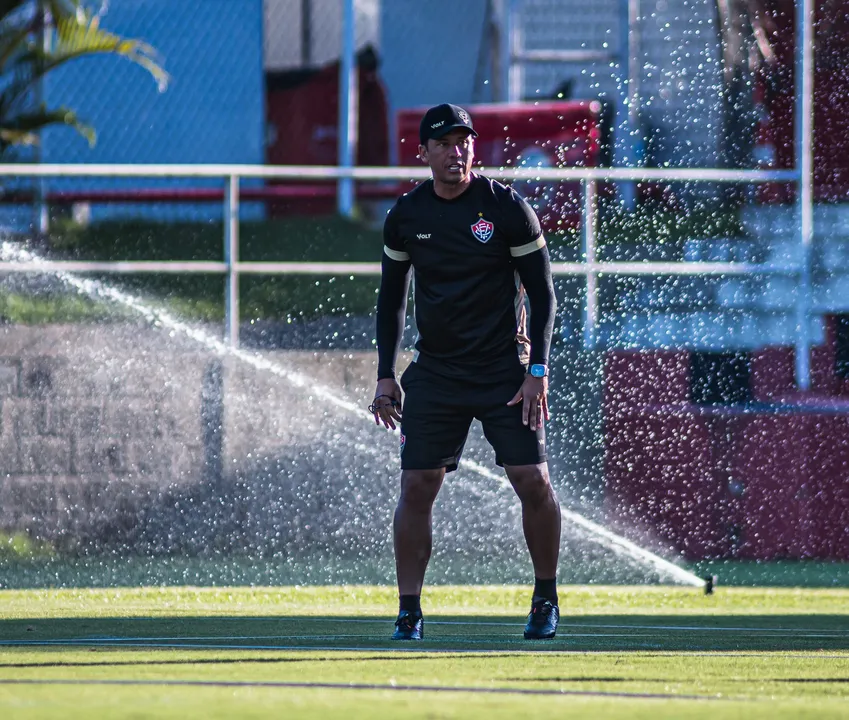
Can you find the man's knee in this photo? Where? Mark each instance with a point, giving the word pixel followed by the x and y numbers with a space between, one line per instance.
pixel 419 488
pixel 531 483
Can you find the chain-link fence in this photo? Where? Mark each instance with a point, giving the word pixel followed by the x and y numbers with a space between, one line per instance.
pixel 256 81
pixel 302 34
pixel 669 58
pixel 118 427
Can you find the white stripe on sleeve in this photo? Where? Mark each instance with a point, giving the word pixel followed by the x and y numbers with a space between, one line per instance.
pixel 530 247
pixel 396 254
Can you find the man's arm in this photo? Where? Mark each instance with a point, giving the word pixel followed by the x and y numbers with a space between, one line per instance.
pixel 535 273
pixel 532 262
pixel 391 311
pixel 530 258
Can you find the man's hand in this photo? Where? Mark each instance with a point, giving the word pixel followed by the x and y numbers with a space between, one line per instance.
pixel 387 403
pixel 534 398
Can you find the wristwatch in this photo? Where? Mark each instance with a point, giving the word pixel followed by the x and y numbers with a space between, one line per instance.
pixel 538 371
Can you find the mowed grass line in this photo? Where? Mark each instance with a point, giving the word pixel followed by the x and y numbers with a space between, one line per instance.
pixel 622 652
pixel 381 601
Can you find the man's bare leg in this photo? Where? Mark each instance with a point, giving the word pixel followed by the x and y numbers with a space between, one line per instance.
pixel 413 533
pixel 540 515
pixel 541 523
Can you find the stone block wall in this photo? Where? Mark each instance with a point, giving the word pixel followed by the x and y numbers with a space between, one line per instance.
pixel 103 426
pixel 91 417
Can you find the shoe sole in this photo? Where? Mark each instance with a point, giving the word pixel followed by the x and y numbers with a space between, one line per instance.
pixel 540 637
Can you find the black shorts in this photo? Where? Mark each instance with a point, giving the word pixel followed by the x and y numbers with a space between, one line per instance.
pixel 438 411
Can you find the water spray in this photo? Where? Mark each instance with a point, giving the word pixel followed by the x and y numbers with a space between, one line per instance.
pixel 13 252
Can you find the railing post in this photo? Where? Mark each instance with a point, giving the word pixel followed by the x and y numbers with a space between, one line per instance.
pixel 804 191
pixel 628 138
pixel 590 188
pixel 348 108
pixel 515 76
pixel 42 210
pixel 231 257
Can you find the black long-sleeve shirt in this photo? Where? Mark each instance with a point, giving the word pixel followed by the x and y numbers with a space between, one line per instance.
pixel 473 258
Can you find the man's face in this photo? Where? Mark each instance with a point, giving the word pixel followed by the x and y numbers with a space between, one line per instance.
pixel 450 157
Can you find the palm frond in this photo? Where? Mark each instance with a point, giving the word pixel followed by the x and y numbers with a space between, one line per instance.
pixel 17 137
pixel 30 49
pixel 23 129
pixel 81 35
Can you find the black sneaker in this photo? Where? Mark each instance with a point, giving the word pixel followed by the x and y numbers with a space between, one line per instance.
pixel 409 626
pixel 542 621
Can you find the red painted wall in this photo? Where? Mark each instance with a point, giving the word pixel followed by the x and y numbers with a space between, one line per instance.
pixel 303 122
pixel 712 482
pixel 831 96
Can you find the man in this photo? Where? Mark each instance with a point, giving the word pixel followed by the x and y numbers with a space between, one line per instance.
pixel 476 247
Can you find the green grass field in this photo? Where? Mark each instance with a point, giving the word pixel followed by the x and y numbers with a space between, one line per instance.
pixel 323 652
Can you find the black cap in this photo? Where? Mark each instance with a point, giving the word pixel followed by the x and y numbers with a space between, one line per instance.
pixel 441 120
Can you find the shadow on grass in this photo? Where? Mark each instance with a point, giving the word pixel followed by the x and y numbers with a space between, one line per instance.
pixel 485 634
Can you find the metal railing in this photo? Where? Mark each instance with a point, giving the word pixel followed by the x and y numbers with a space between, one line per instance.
pixel 589 266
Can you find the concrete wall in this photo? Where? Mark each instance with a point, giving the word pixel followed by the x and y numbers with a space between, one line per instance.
pixel 101 425
pixel 89 419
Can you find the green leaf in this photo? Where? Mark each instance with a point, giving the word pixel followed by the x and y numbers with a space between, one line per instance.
pixel 82 35
pixel 23 129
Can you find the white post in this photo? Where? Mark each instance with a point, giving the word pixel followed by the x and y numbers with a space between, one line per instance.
pixel 513 43
pixel 42 209
pixel 348 91
pixel 635 69
pixel 505 19
pixel 805 189
pixel 231 257
pixel 627 133
pixel 589 242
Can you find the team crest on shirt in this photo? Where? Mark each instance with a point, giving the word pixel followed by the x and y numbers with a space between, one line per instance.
pixel 483 229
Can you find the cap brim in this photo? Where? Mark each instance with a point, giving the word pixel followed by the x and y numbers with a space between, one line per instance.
pixel 443 131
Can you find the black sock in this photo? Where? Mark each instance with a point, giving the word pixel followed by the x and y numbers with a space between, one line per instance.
pixel 546 589
pixel 410 603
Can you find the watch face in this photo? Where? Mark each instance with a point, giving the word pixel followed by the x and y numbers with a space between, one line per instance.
pixel 538 370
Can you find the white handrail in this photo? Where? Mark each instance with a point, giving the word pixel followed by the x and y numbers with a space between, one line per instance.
pixel 130 267
pixel 231 175
pixel 330 172
pixel 373 268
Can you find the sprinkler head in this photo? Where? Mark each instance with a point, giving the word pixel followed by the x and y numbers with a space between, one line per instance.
pixel 710 582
